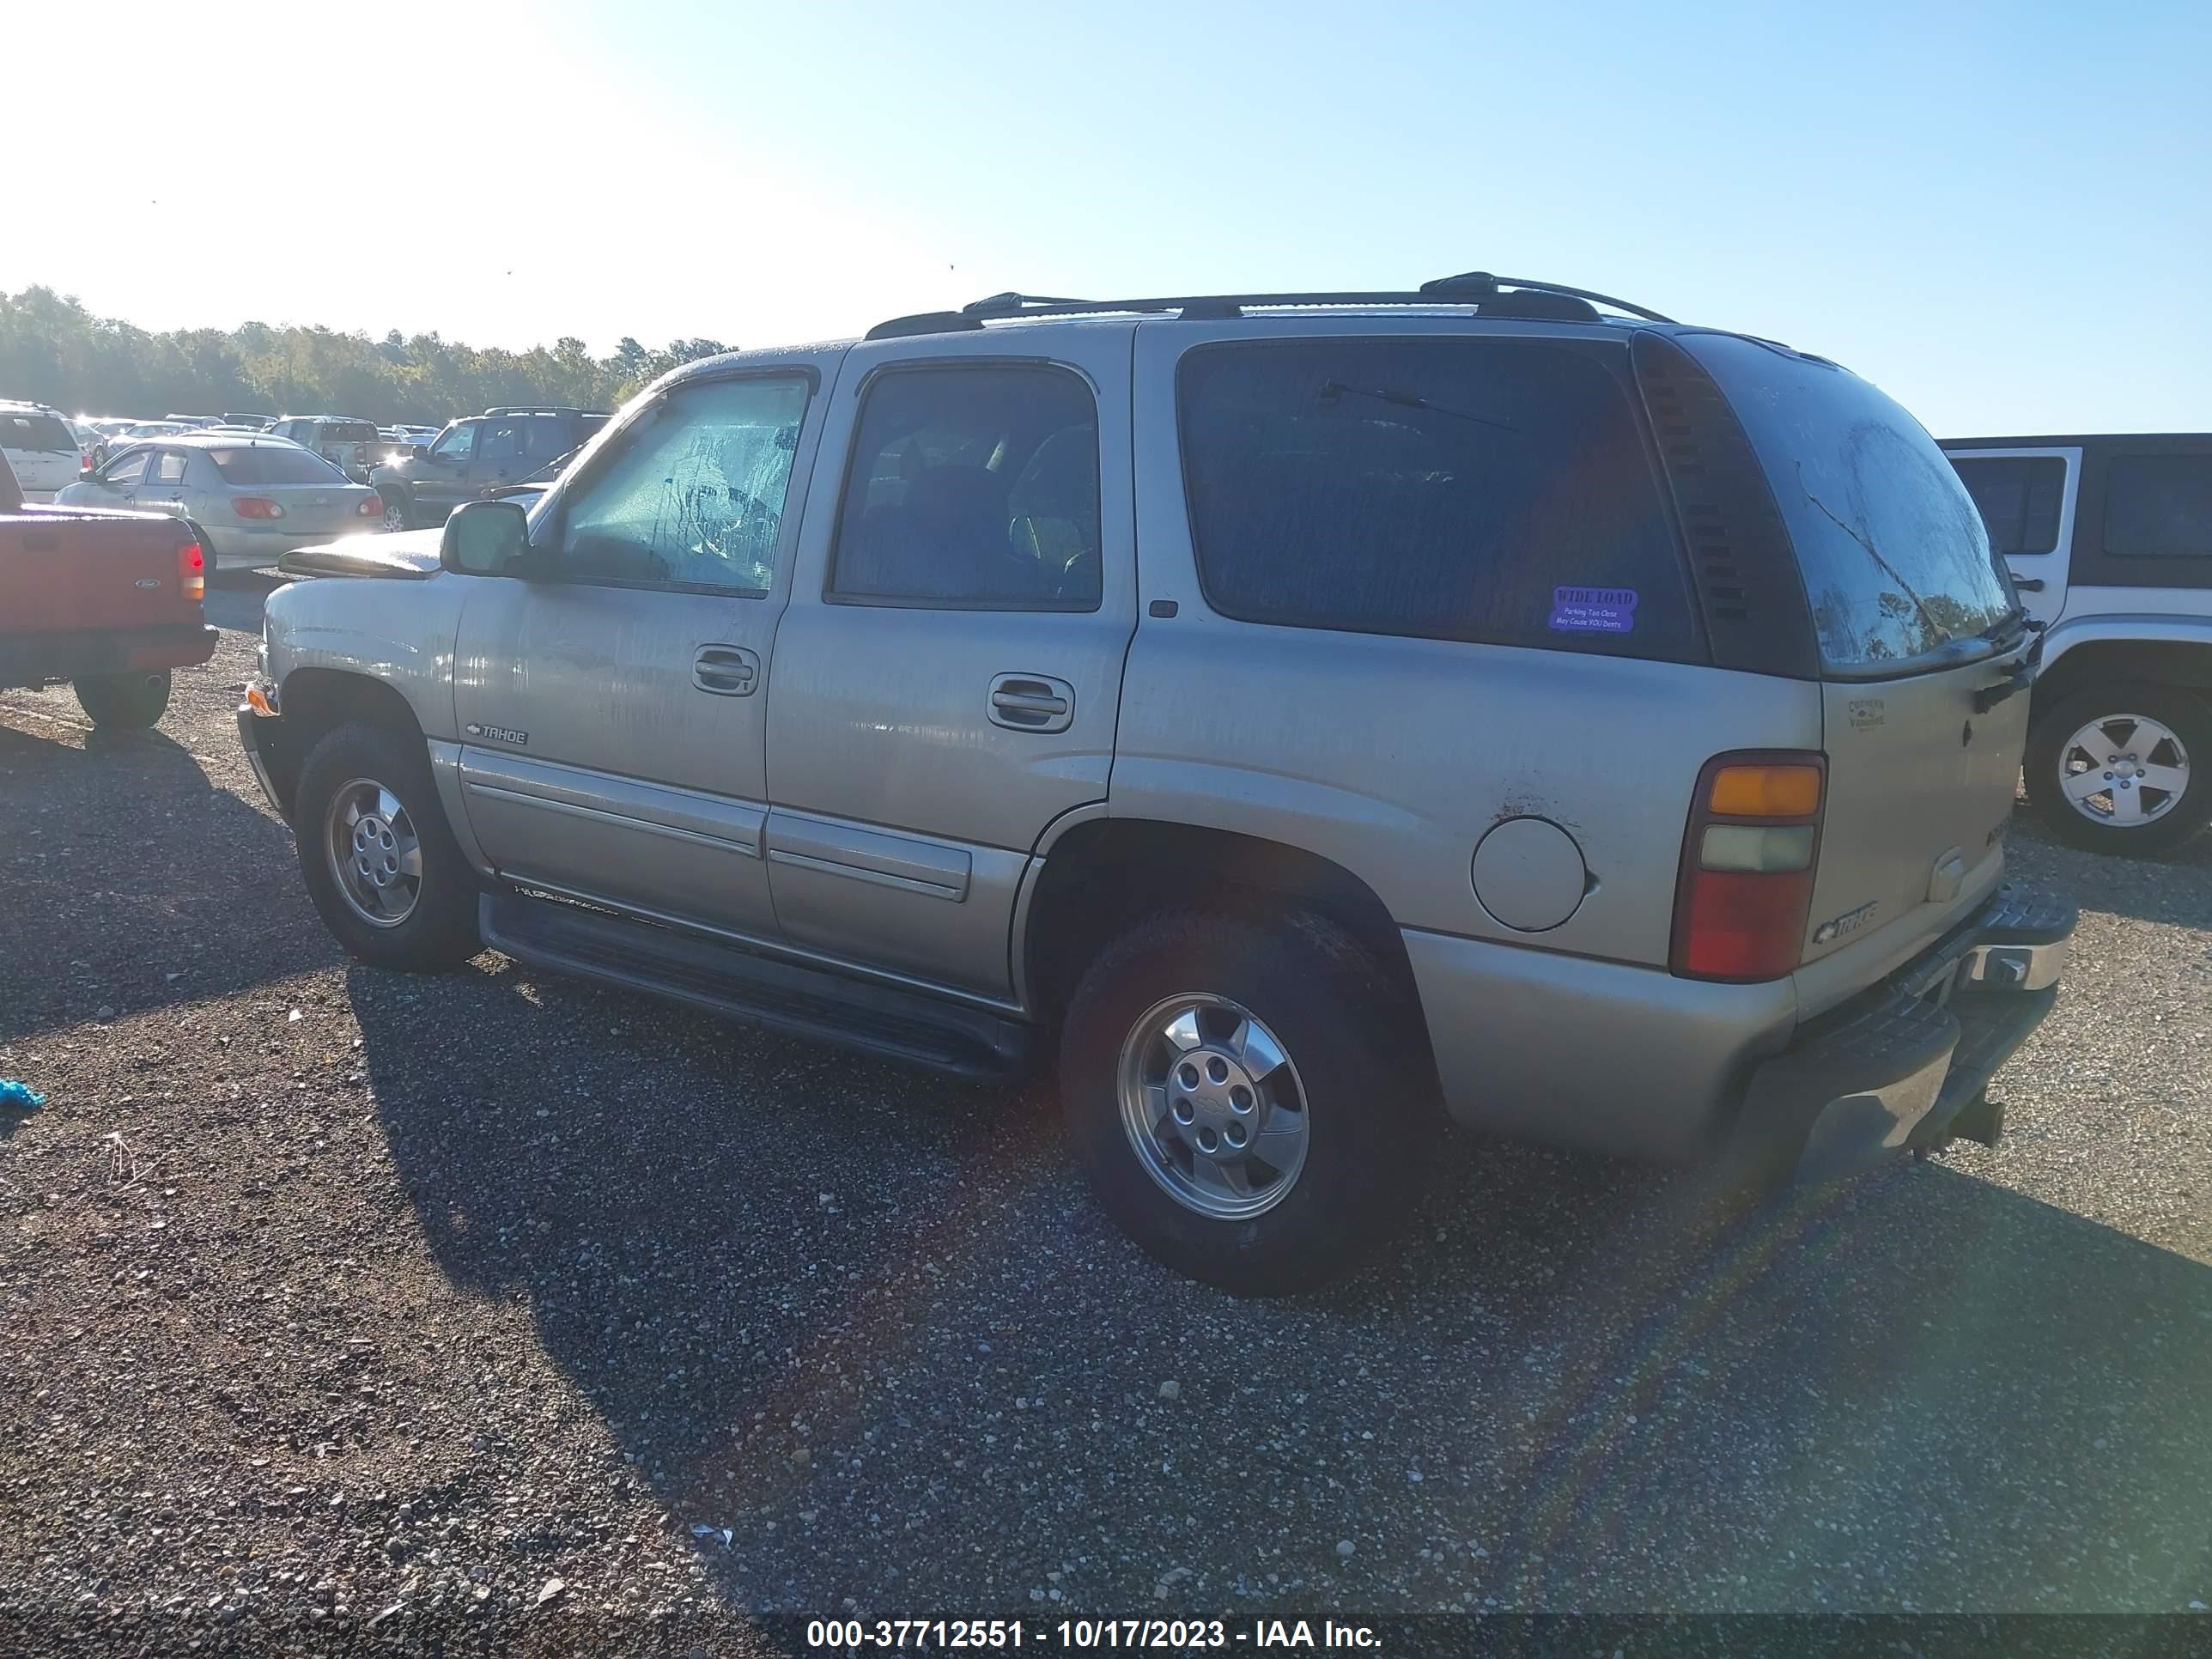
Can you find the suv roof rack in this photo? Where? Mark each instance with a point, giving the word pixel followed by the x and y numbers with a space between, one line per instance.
pixel 539 408
pixel 1496 296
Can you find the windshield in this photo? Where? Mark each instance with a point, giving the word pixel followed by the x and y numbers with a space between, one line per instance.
pixel 1894 555
pixel 272 464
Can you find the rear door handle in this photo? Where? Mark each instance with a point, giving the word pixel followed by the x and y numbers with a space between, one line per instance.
pixel 727 670
pixel 2028 584
pixel 1032 703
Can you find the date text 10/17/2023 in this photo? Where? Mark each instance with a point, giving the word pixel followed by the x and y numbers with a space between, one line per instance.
pixel 1174 1634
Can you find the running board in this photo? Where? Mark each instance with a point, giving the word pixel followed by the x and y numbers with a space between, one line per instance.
pixel 740 984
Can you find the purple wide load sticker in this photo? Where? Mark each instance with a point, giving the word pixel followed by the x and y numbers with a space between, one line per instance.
pixel 1593 609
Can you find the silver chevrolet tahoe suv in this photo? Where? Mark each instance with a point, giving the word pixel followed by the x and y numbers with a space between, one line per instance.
pixel 1301 712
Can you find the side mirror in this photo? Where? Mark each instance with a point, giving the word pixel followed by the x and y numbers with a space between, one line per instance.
pixel 484 538
pixel 419 451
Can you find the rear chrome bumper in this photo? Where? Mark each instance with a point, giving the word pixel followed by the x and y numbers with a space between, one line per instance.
pixel 1905 1064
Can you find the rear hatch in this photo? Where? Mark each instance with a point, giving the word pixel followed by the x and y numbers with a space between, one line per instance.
pixel 314 499
pixel 42 450
pixel 64 569
pixel 1914 622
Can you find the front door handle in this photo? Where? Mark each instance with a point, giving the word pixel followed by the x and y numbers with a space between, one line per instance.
pixel 1032 703
pixel 727 670
pixel 2028 584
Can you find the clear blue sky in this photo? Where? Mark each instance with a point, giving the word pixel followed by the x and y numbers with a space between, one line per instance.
pixel 2003 214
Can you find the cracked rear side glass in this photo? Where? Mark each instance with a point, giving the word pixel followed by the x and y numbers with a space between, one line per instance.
pixel 1894 553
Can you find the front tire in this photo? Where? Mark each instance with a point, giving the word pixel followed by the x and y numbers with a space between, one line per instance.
pixel 1246 1099
pixel 398 512
pixel 123 702
pixel 2112 768
pixel 378 857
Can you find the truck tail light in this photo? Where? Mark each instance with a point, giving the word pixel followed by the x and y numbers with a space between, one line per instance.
pixel 256 507
pixel 1746 885
pixel 191 572
pixel 372 507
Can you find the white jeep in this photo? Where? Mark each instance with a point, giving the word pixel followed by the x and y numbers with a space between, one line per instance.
pixel 2110 542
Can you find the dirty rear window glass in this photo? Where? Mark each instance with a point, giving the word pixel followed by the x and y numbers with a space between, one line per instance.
pixel 1494 490
pixel 1897 563
pixel 2019 498
pixel 695 492
pixel 274 464
pixel 38 435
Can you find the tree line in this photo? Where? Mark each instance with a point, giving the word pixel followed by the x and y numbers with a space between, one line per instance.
pixel 52 351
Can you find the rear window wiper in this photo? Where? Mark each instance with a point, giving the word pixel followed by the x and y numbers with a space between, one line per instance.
pixel 1332 391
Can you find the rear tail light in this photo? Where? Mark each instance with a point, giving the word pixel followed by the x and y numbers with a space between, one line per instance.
pixel 256 507
pixel 371 508
pixel 1746 886
pixel 192 571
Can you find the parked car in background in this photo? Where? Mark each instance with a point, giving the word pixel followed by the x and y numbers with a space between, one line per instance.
pixel 476 454
pixel 2109 540
pixel 41 447
pixel 252 497
pixel 384 552
pixel 1009 684
pixel 108 602
pixel 91 444
pixel 259 423
pixel 346 443
pixel 137 431
pixel 192 421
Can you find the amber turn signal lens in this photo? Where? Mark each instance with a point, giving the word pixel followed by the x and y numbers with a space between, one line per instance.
pixel 1765 792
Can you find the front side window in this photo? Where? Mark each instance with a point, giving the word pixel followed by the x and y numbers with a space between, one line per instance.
pixel 127 470
pixel 456 444
pixel 170 467
pixel 2158 506
pixel 500 444
pixel 1487 490
pixel 2019 497
pixel 975 486
pixel 695 494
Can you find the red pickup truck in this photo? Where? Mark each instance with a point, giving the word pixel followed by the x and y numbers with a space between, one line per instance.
pixel 109 601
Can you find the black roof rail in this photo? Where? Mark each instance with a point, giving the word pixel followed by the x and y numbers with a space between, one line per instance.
pixel 1513 296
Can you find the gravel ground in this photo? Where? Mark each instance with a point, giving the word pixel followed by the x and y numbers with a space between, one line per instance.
pixel 496 1298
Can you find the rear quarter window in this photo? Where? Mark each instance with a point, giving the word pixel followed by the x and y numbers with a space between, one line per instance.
pixel 1893 552
pixel 1497 491
pixel 2158 506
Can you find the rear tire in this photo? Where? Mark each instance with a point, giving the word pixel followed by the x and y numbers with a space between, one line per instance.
pixel 378 857
pixel 123 702
pixel 1349 1162
pixel 2164 727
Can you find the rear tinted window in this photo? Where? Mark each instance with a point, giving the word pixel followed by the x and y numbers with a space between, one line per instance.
pixel 271 464
pixel 2158 506
pixel 1895 560
pixel 1470 489
pixel 2019 498
pixel 347 431
pixel 40 434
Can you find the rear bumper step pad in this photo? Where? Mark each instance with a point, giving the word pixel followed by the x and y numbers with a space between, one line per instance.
pixel 1905 1063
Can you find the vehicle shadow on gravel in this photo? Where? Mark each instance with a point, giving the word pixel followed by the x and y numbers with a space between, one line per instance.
pixel 173 890
pixel 870 1324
